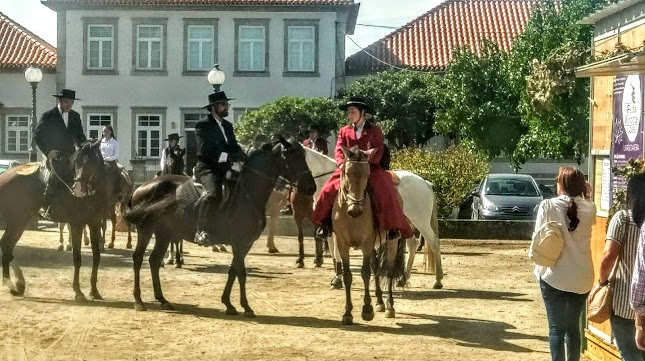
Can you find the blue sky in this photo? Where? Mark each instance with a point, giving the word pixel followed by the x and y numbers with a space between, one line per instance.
pixel 42 21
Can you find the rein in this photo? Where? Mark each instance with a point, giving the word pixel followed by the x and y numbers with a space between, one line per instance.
pixel 53 170
pixel 343 190
pixel 324 174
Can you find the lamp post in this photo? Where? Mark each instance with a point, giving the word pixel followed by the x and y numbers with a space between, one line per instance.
pixel 33 75
pixel 216 77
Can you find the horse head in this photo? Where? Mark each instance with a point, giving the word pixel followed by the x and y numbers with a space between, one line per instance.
pixel 88 166
pixel 355 172
pixel 294 165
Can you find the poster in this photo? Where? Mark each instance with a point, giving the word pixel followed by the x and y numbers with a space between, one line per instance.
pixel 605 193
pixel 627 130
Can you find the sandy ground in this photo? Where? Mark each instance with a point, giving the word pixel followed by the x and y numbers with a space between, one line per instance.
pixel 489 309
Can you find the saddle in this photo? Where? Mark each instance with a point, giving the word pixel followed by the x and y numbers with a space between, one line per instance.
pixel 28 168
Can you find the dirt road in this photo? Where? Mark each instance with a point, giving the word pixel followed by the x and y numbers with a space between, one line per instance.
pixel 489 309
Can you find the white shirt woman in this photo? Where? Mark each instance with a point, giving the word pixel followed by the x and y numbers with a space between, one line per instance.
pixel 109 145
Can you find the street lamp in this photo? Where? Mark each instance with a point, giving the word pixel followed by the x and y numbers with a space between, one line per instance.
pixel 216 77
pixel 33 75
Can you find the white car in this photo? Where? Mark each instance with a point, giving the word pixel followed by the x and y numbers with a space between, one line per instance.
pixel 6 164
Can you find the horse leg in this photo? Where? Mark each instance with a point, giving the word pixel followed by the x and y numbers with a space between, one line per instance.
pixel 103 228
pixel 171 259
pixel 179 253
pixel 95 237
pixel 318 261
pixel 337 281
pixel 395 252
pixel 238 262
pixel 347 279
pixel 226 295
pixel 86 239
pixel 76 233
pixel 129 245
pixel 155 259
pixel 61 239
pixel 68 245
pixel 434 253
pixel 300 263
pixel 411 244
pixel 380 305
pixel 273 220
pixel 113 221
pixel 143 239
pixel 389 312
pixel 7 243
pixel 366 271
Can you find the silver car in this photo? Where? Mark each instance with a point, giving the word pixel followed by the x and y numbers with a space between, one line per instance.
pixel 506 196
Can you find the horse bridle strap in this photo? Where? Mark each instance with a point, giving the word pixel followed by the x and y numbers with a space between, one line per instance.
pixel 53 170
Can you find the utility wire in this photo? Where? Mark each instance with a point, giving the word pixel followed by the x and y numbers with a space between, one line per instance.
pixel 386 63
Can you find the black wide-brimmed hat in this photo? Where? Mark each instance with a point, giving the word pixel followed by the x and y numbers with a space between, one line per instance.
pixel 173 136
pixel 67 93
pixel 216 97
pixel 357 102
pixel 314 128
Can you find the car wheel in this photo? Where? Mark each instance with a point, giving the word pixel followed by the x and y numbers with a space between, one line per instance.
pixel 474 216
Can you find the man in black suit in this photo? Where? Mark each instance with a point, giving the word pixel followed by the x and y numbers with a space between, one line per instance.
pixel 217 150
pixel 59 129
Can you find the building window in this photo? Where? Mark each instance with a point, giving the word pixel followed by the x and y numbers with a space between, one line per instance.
pixel 201 42
pixel 301 48
pixel 149 47
pixel 96 122
pixel 190 119
pixel 100 44
pixel 149 135
pixel 251 47
pixel 17 134
pixel 239 113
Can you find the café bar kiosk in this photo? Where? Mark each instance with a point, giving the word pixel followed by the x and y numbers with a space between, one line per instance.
pixel 616 125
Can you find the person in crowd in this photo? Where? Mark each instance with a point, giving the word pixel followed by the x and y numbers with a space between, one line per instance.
pixel 636 189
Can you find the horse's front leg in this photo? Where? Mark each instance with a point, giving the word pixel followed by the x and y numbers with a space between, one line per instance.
pixel 348 319
pixel 300 263
pixel 7 243
pixel 366 271
pixel 273 220
pixel 76 233
pixel 380 305
pixel 113 221
pixel 238 263
pixel 156 258
pixel 61 238
pixel 95 238
pixel 226 295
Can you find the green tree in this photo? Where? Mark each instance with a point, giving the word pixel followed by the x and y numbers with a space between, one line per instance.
pixel 403 102
pixel 290 116
pixel 477 102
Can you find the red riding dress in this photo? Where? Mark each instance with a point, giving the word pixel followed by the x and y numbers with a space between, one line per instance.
pixel 385 201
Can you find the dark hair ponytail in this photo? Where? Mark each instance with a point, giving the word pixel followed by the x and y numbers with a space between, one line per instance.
pixel 573 184
pixel 572 213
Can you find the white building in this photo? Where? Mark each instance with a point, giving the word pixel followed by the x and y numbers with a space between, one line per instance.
pixel 141 65
pixel 18 49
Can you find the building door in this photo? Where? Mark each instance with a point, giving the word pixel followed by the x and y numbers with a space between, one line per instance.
pixel 190 119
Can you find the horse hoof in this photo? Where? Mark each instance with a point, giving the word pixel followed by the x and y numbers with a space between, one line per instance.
pixel 170 261
pixel 60 247
pixel 368 313
pixel 437 285
pixel 347 320
pixel 273 250
pixel 300 264
pixel 167 306
pixel 380 307
pixel 111 245
pixel 215 249
pixel 401 283
pixel 86 242
pixel 336 283
pixel 95 295
pixel 139 306
pixel 177 265
pixel 16 292
pixel 223 249
pixel 389 314
pixel 249 314
pixel 232 312
pixel 128 246
pixel 318 263
pixel 80 298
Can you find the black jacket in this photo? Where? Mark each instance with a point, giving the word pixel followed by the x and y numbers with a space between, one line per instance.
pixel 211 143
pixel 51 133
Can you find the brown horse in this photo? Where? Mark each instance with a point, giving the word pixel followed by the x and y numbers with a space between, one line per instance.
pixel 21 191
pixel 353 226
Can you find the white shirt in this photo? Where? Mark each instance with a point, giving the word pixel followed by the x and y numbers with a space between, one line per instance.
pixel 223 157
pixel 64 115
pixel 110 149
pixel 573 271
pixel 358 129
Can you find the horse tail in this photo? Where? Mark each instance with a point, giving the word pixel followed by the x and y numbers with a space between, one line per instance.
pixel 144 211
pixel 394 270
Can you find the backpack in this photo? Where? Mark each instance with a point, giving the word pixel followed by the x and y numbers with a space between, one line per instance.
pixel 547 242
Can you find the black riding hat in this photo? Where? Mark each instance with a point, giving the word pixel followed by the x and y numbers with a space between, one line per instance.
pixel 357 102
pixel 67 93
pixel 173 136
pixel 216 97
pixel 314 128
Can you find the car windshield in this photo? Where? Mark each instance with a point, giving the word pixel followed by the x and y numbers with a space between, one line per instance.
pixel 510 187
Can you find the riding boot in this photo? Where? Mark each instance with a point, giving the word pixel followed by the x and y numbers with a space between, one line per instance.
pixel 202 237
pixel 50 192
pixel 393 234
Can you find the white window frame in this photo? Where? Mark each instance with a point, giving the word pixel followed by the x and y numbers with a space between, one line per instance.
pixel 239 113
pixel 148 129
pixel 200 42
pixel 18 130
pixel 150 41
pixel 99 128
pixel 252 42
pixel 301 49
pixel 101 41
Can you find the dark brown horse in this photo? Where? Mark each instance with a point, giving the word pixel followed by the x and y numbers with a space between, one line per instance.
pixel 165 207
pixel 21 191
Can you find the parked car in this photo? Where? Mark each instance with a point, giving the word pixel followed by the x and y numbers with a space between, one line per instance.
pixel 6 164
pixel 506 196
pixel 547 192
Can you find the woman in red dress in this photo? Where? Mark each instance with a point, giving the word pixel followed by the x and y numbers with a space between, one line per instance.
pixel 385 202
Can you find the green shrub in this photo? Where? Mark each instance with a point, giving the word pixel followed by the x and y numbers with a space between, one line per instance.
pixel 633 167
pixel 452 172
pixel 290 116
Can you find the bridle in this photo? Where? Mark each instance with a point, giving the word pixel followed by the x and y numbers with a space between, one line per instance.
pixel 344 193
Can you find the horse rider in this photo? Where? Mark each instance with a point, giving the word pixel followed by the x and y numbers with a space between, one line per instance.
pixel 172 157
pixel 385 202
pixel 59 129
pixel 217 150
pixel 316 141
pixel 110 152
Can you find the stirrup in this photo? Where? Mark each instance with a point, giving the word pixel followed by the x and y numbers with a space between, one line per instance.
pixel 322 232
pixel 202 239
pixel 46 214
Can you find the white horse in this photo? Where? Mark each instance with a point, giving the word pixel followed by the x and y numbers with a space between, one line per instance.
pixel 419 206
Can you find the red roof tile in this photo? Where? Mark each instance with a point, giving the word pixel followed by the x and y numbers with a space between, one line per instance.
pixel 201 2
pixel 427 42
pixel 19 47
